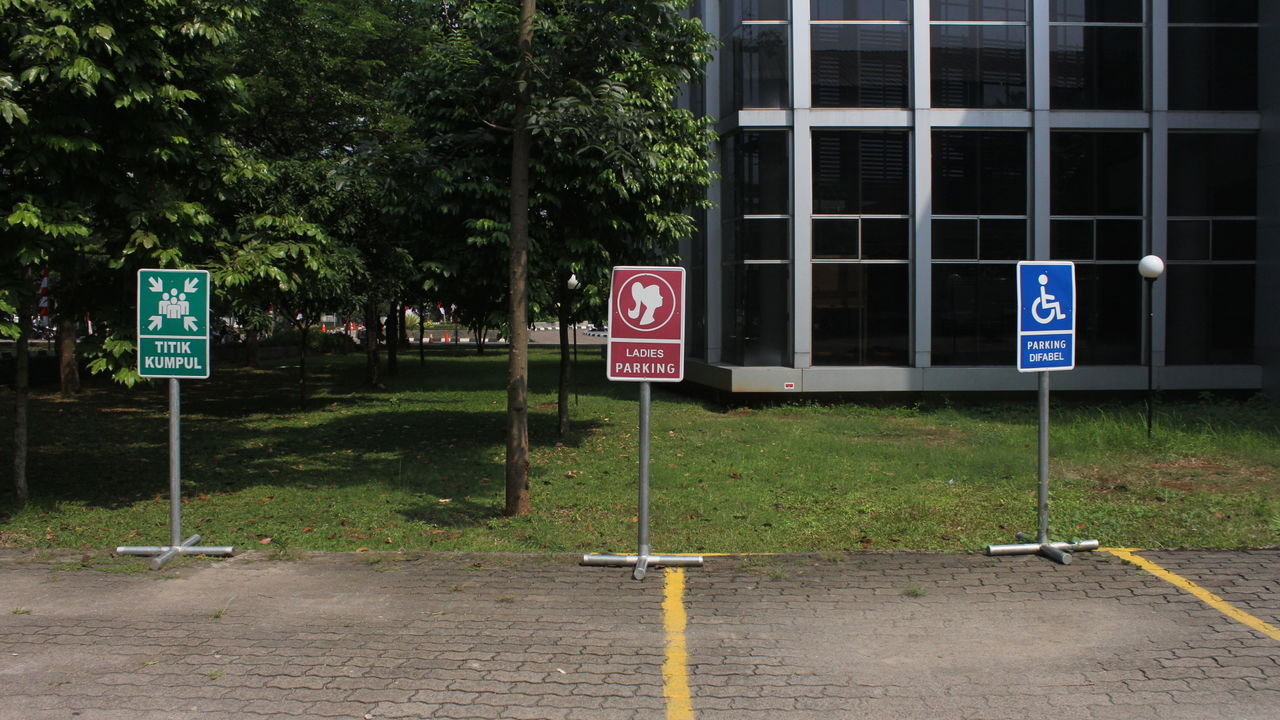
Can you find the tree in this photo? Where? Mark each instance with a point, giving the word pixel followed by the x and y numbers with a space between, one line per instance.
pixel 595 101
pixel 114 114
pixel 320 75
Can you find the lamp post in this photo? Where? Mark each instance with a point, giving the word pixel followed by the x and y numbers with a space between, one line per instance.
pixel 572 284
pixel 1150 268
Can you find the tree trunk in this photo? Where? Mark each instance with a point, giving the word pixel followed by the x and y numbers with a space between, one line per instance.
pixel 422 330
pixel 373 366
pixel 566 367
pixel 21 392
pixel 517 466
pixel 251 348
pixel 302 367
pixel 393 340
pixel 68 369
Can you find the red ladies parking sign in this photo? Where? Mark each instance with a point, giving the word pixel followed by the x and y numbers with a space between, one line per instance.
pixel 646 324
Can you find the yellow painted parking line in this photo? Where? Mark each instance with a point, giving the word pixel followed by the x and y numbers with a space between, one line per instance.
pixel 675 667
pixel 1204 595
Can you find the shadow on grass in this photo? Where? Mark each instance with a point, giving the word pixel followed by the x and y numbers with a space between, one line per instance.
pixel 436 432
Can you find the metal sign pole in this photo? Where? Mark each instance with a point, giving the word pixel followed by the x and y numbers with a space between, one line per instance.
pixel 643 559
pixel 177 546
pixel 642 537
pixel 175 462
pixel 1042 469
pixel 1059 552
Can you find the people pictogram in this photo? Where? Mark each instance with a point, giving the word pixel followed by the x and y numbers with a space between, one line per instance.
pixel 174 305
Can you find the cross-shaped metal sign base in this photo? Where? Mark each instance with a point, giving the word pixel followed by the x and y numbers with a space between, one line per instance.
pixel 642 562
pixel 165 553
pixel 1059 552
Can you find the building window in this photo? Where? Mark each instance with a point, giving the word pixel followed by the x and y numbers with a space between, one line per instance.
pixel 1212 247
pixel 861 247
pixel 858 172
pixel 979 53
pixel 1096 209
pixel 1213 55
pixel 861 55
pixel 756 249
pixel 755 69
pixel 979 229
pixel 1096 55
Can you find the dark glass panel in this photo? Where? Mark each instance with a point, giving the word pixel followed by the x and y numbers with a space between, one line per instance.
pixel 860 65
pixel 730 313
pixel 860 9
pixel 759 173
pixel 756 304
pixel 1095 68
pixel 765 239
pixel 1213 68
pixel 1096 11
pixel 1071 174
pixel 1235 240
pixel 765 299
pixel 979 173
pixel 696 318
pixel 861 172
pixel 835 238
pixel 1003 173
pixel 1213 174
pixel 1071 239
pixel 861 314
pixel 885 172
pixel 758 75
pixel 729 250
pixel 885 238
pixel 1118 239
pixel 955 239
pixel 989 10
pixel 979 66
pixel 1188 240
pixel 1002 240
pixel 974 315
pixel 1211 307
pixel 1108 315
pixel 1119 173
pixel 1210 11
pixel 1096 173
pixel 955 166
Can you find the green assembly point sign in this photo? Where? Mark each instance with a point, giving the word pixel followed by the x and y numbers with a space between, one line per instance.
pixel 173 323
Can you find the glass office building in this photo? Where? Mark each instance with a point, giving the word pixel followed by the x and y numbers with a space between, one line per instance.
pixel 886 163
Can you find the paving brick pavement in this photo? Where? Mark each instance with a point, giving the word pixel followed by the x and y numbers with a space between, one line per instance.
pixel 895 635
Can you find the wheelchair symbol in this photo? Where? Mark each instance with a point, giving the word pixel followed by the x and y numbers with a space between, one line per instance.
pixel 1047 303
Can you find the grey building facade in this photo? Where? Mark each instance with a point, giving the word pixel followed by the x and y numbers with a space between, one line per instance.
pixel 886 163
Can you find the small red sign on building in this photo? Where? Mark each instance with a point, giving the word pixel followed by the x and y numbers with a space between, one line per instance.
pixel 646 324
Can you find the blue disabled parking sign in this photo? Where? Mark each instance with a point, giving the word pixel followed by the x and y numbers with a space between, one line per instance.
pixel 1046 316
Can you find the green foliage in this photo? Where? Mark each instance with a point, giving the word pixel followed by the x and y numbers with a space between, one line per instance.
pixel 317 341
pixel 114 148
pixel 616 167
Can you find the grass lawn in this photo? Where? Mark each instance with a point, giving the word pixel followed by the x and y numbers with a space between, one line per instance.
pixel 419 466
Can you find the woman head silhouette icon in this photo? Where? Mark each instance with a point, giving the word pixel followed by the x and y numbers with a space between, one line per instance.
pixel 647 298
